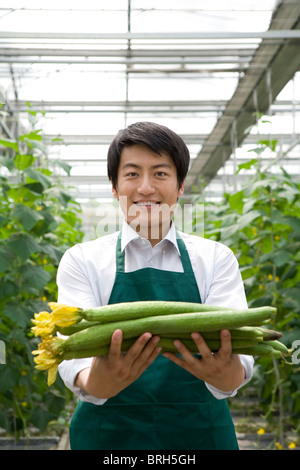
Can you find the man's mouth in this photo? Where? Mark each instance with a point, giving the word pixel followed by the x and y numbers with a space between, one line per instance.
pixel 146 203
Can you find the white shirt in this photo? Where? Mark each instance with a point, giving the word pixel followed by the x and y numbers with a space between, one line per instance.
pixel 86 276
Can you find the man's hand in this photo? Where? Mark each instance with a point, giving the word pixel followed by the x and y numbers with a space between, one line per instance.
pixel 110 374
pixel 221 369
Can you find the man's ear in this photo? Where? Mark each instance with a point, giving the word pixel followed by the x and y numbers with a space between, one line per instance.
pixel 114 192
pixel 180 190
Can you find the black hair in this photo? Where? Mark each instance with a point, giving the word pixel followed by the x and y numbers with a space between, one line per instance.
pixel 155 136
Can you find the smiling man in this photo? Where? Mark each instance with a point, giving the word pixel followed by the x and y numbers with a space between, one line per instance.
pixel 143 399
pixel 148 189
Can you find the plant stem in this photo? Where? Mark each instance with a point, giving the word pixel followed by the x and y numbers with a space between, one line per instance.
pixel 280 394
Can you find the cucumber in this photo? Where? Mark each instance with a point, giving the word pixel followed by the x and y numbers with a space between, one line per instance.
pixel 96 336
pixel 140 309
pixel 167 344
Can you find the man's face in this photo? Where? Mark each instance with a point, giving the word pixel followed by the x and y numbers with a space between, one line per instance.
pixel 147 189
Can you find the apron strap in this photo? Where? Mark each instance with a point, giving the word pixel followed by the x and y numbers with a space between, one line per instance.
pixel 185 259
pixel 120 256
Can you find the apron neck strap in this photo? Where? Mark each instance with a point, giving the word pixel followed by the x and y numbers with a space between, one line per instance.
pixel 185 259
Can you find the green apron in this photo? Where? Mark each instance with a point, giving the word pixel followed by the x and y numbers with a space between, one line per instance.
pixel 166 407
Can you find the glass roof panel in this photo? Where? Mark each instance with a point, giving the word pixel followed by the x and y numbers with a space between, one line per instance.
pixel 95 67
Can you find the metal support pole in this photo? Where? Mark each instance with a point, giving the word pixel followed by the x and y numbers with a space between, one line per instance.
pixel 234 147
pixel 128 56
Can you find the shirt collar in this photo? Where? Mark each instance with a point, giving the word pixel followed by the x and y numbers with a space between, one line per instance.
pixel 129 234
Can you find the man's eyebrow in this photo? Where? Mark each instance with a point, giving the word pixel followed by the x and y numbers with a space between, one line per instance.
pixel 135 165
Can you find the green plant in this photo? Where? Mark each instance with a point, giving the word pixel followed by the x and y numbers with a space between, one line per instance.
pixel 38 222
pixel 261 224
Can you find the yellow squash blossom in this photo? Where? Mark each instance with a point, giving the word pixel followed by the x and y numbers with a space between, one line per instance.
pixel 48 357
pixel 44 325
pixel 63 315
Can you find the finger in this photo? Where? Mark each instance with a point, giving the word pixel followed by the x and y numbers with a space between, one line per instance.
pixel 203 349
pixel 135 350
pixel 115 349
pixel 145 354
pixel 226 346
pixel 176 359
pixel 142 364
pixel 149 348
pixel 186 354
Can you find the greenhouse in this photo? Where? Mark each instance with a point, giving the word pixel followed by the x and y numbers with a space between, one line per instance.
pixel 175 124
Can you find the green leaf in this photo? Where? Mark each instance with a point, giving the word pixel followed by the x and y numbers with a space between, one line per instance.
pixel 54 403
pixel 9 144
pixel 289 194
pixel 23 245
pixel 35 188
pixel 23 161
pixel 246 166
pixel 7 289
pixel 278 257
pixel 26 216
pixel 241 223
pixel 6 258
pixel 269 143
pixel 247 219
pixel 257 150
pixel 236 201
pixel 64 165
pixel 34 278
pixel 52 251
pixel 16 313
pixel 292 222
pixel 64 198
pixel 40 418
pixel 7 162
pixel 9 377
pixel 36 175
pixel 34 135
pixel 2 220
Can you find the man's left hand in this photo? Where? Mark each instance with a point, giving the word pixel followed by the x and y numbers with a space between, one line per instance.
pixel 221 369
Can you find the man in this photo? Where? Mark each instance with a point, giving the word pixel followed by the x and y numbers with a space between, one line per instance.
pixel 144 399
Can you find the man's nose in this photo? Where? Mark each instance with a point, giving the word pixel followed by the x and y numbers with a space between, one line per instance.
pixel 145 186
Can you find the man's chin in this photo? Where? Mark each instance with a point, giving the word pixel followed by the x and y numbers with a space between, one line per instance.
pixel 146 228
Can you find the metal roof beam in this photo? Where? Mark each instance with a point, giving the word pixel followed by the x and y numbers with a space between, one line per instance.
pixel 133 53
pixel 254 83
pixel 189 139
pixel 211 35
pixel 138 106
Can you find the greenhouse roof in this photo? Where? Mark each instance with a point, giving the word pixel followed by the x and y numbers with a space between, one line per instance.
pixel 204 69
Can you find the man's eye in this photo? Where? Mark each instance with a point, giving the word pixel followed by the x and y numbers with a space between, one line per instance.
pixel 161 173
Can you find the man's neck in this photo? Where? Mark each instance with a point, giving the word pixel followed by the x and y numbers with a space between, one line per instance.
pixel 153 234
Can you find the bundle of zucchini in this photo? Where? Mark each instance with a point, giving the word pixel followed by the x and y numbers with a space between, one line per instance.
pixel 87 332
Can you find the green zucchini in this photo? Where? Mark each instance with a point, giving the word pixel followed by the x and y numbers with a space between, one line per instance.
pixel 244 332
pixel 279 347
pixel 96 336
pixel 140 309
pixel 167 344
pixel 260 350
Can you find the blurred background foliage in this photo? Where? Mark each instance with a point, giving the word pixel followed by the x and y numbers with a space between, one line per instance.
pixel 261 223
pixel 38 222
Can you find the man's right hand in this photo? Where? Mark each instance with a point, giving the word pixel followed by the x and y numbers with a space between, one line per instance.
pixel 110 374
